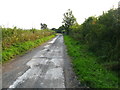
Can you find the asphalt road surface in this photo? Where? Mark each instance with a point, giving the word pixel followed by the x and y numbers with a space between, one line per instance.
pixel 47 66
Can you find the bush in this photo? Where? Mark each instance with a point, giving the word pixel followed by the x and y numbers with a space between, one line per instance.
pixel 17 41
pixel 101 34
pixel 88 70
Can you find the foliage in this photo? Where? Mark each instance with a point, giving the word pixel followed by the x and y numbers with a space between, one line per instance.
pixel 16 41
pixel 102 35
pixel 21 48
pixel 85 64
pixel 43 26
pixel 13 36
pixel 61 29
pixel 68 20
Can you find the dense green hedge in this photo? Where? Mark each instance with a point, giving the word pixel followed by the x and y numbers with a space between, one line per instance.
pixel 102 36
pixel 88 70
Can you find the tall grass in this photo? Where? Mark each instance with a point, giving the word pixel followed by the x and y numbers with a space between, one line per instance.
pixel 89 71
pixel 17 41
pixel 13 36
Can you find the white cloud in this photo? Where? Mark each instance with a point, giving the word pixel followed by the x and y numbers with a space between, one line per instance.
pixel 30 13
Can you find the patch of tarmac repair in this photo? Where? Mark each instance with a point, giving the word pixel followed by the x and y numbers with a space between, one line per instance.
pixel 41 64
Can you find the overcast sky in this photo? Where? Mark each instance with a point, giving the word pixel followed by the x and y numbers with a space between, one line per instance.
pixel 30 13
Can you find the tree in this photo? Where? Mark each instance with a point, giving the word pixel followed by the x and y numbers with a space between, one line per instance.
pixel 54 29
pixel 68 20
pixel 43 26
pixel 60 29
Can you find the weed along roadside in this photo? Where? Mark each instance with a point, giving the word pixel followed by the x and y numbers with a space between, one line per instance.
pixel 73 55
pixel 18 45
pixel 88 70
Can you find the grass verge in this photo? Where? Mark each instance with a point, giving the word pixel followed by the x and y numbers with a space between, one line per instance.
pixel 88 70
pixel 21 48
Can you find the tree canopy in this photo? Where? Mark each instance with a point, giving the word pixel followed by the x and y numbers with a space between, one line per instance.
pixel 68 20
pixel 43 26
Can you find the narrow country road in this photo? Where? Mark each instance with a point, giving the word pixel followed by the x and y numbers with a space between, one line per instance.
pixel 47 66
